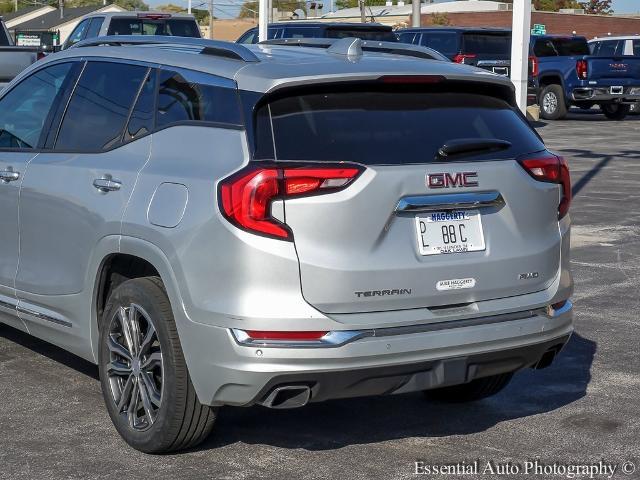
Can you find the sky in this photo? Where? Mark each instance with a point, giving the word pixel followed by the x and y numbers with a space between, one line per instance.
pixel 229 8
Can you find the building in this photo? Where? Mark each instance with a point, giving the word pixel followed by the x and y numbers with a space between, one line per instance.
pixel 24 15
pixel 55 21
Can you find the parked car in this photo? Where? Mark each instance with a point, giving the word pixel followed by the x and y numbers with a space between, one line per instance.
pixel 304 29
pixel 134 23
pixel 562 71
pixel 228 274
pixel 13 59
pixel 487 48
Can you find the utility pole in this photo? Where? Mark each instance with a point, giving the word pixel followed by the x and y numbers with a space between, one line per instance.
pixel 210 19
pixel 263 19
pixel 61 6
pixel 415 13
pixel 16 6
pixel 521 36
pixel 363 17
pixel 188 6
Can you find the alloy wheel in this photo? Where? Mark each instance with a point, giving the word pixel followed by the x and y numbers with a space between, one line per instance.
pixel 135 370
pixel 550 102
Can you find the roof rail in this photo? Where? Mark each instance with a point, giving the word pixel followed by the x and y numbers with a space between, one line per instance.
pixel 350 45
pixel 234 51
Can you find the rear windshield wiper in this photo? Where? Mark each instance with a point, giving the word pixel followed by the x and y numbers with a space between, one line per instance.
pixel 468 146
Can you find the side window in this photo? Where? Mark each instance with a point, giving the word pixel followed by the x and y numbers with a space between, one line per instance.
pixel 78 33
pixel 201 98
pixel 636 48
pixel 249 37
pixel 94 27
pixel 406 37
pixel 594 47
pixel 444 42
pixel 100 106
pixel 25 108
pixel 141 120
pixel 125 26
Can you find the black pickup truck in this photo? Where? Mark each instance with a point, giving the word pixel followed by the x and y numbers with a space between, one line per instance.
pixel 13 59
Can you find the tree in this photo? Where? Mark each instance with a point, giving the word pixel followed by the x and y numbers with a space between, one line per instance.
pixel 597 7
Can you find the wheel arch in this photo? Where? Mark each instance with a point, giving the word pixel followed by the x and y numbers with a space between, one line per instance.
pixel 133 258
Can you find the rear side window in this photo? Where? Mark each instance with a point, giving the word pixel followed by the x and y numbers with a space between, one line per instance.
pixel 4 41
pixel 487 44
pixel 78 33
pixel 249 37
pixel 94 27
pixel 182 28
pixel 572 47
pixel 406 37
pixel 185 96
pixel 99 107
pixel 636 48
pixel 387 127
pixel 444 42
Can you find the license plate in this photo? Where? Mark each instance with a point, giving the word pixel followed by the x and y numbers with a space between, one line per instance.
pixel 501 70
pixel 455 231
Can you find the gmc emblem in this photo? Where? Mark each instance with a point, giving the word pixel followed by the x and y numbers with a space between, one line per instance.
pixel 446 180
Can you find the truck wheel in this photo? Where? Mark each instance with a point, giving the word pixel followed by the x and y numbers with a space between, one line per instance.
pixel 552 104
pixel 144 377
pixel 472 391
pixel 615 111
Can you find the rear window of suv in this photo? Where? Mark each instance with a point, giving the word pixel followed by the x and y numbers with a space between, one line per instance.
pixel 487 43
pixel 386 127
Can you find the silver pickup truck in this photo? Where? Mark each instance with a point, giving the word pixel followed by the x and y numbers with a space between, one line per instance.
pixel 13 59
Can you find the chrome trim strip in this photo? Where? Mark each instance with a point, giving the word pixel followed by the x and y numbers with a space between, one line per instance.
pixel 338 338
pixel 448 201
pixel 42 316
pixel 8 305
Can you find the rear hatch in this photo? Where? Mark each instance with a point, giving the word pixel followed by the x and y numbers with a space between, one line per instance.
pixel 406 233
pixel 490 50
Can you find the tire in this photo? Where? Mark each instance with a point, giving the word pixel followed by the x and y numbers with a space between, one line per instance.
pixel 552 104
pixel 615 111
pixel 166 415
pixel 472 391
pixel 635 109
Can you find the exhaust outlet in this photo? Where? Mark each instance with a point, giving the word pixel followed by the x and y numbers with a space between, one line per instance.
pixel 547 358
pixel 287 396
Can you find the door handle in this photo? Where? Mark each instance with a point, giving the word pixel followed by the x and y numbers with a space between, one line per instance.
pixel 9 175
pixel 107 184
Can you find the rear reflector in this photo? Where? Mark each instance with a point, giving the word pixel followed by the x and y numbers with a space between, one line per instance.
pixel 299 336
pixel 552 169
pixel 245 198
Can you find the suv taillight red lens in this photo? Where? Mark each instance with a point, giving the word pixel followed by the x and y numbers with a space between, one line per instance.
pixel 582 69
pixel 553 169
pixel 534 66
pixel 246 197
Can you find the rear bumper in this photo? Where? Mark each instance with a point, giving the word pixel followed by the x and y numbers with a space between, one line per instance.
pixel 230 373
pixel 606 94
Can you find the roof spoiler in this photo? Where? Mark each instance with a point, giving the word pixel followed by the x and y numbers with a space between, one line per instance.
pixel 234 51
pixel 355 47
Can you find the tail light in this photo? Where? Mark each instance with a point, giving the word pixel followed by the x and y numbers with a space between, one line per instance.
pixel 582 69
pixel 462 57
pixel 246 197
pixel 552 169
pixel 534 66
pixel 154 16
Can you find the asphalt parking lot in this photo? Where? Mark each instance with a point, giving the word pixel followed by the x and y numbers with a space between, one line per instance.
pixel 583 409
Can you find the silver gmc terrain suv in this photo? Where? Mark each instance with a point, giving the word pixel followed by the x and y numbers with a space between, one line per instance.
pixel 214 224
